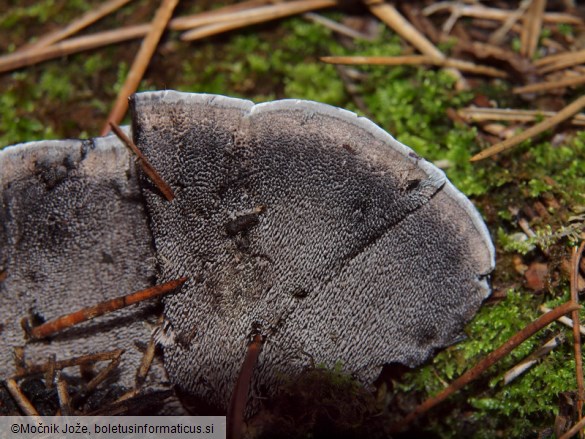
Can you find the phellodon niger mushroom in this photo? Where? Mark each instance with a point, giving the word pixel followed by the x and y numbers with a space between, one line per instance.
pixel 292 219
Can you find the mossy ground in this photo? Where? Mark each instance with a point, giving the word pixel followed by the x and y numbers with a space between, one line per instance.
pixel 71 97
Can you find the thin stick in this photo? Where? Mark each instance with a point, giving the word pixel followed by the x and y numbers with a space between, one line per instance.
pixel 574 430
pixel 143 57
pixel 547 124
pixel 66 321
pixel 20 399
pixel 413 60
pixel 576 258
pixel 511 114
pixel 145 164
pixel 226 13
pixel 256 16
pixel 487 362
pixel 239 398
pixel 76 361
pixel 63 394
pixel 87 19
pixel 532 24
pixel 551 85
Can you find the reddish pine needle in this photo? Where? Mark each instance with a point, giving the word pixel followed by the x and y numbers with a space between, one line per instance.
pixel 145 164
pixel 235 418
pixel 68 320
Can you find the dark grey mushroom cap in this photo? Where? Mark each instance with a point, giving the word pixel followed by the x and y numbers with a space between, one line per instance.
pixel 310 225
pixel 73 232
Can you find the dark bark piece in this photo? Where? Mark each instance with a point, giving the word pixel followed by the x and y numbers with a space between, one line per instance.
pixel 362 252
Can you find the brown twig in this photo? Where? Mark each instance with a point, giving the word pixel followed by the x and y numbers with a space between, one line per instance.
pixel 19 362
pixel 84 21
pixel 62 364
pixel 564 320
pixel 235 418
pixel 147 48
pixel 550 85
pixel 66 321
pixel 21 400
pixel 145 164
pixel 547 124
pixel 256 16
pixel 415 60
pixel 488 361
pixel 575 260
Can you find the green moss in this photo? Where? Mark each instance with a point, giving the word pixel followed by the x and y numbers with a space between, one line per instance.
pixel 527 403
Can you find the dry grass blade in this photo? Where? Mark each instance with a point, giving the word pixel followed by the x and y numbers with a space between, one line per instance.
pixel 226 13
pixel 21 400
pixel 547 124
pixel 89 18
pixel 74 318
pixel 235 418
pixel 414 60
pixel 487 362
pixel 147 48
pixel 145 164
pixel 511 114
pixel 551 85
pixel 256 16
